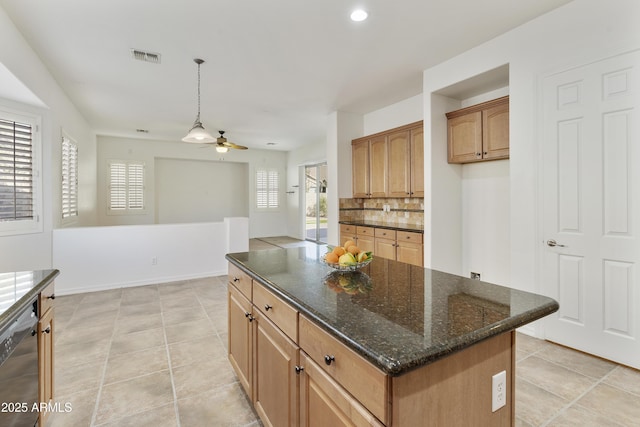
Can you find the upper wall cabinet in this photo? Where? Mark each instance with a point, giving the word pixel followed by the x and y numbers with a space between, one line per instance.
pixel 479 132
pixel 390 163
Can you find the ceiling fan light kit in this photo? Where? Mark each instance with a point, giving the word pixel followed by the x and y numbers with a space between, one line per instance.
pixel 197 133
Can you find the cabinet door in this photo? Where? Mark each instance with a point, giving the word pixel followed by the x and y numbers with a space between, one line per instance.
pixel 495 132
pixel 385 248
pixel 323 402
pixel 275 379
pixel 45 360
pixel 417 162
pixel 366 243
pixel 465 138
pixel 378 167
pixel 360 168
pixel 399 150
pixel 239 338
pixel 411 253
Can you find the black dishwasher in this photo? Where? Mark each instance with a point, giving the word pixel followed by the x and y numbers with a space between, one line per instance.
pixel 19 369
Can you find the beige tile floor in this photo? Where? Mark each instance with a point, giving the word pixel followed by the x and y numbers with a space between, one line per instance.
pixel 156 356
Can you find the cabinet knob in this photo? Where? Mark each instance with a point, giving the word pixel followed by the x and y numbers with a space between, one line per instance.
pixel 33 332
pixel 299 369
pixel 478 154
pixel 52 296
pixel 235 279
pixel 248 316
pixel 267 307
pixel 329 359
pixel 485 153
pixel 47 331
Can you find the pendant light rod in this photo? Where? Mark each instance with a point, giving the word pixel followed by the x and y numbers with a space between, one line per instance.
pixel 197 133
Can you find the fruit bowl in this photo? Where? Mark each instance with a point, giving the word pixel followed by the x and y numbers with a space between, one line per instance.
pixel 351 267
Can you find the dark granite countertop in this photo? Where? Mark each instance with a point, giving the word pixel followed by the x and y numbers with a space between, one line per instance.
pixel 377 224
pixel 19 289
pixel 396 315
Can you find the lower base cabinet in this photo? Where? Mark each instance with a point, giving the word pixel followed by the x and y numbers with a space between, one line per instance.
pixel 323 402
pixel 275 379
pixel 46 329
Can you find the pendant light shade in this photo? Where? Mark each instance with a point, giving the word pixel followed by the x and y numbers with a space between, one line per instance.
pixel 198 134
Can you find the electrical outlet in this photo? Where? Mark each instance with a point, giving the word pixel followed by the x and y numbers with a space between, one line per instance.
pixel 475 276
pixel 498 391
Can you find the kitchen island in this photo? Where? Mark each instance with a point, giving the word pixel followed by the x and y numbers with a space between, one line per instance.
pixel 392 344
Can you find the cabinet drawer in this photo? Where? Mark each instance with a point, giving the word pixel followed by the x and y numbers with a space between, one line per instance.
pixel 347 229
pixel 46 299
pixel 278 311
pixel 240 280
pixel 408 236
pixel 383 233
pixel 359 377
pixel 364 231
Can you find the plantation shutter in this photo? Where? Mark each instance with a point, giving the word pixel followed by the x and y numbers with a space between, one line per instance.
pixel 16 171
pixel 266 189
pixel 69 178
pixel 135 185
pixel 126 186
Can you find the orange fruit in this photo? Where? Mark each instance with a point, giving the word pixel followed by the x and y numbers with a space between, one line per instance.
pixel 331 257
pixel 339 250
pixel 353 249
pixel 348 243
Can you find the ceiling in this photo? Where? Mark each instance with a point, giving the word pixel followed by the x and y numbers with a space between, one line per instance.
pixel 274 69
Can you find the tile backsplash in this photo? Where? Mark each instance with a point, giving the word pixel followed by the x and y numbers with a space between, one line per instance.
pixel 409 211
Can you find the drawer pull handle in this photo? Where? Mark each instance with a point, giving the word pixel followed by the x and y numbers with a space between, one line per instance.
pixel 52 296
pixel 47 331
pixel 267 307
pixel 235 279
pixel 299 369
pixel 329 359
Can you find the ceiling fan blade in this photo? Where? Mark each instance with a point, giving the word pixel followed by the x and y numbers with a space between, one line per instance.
pixel 232 145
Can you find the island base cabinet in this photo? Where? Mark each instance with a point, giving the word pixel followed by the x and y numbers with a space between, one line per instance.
pixel 240 338
pixel 45 361
pixel 275 380
pixel 456 390
pixel 324 403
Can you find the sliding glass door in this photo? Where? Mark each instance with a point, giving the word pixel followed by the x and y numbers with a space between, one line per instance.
pixel 316 202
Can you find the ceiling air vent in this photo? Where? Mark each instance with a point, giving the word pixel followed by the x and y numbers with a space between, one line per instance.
pixel 141 55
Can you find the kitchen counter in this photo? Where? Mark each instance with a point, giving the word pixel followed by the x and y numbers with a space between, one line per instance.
pixel 378 224
pixel 397 316
pixel 19 289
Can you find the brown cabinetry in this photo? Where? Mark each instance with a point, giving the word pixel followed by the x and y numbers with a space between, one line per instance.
pixel 46 329
pixel 403 246
pixel 262 349
pixel 479 132
pixel 363 236
pixel 390 163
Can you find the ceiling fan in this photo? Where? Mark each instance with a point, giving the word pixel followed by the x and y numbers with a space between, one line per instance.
pixel 222 145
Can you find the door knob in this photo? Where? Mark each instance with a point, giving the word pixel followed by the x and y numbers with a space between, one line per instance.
pixel 553 243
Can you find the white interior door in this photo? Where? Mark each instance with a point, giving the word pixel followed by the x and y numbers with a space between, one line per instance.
pixel 591 207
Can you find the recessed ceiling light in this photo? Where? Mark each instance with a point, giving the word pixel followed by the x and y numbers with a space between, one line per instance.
pixel 359 15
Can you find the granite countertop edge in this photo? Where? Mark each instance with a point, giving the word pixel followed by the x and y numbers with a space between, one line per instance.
pixel 395 367
pixel 397 227
pixel 27 298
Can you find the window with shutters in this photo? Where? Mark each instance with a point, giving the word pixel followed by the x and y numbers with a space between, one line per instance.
pixel 69 179
pixel 19 174
pixel 267 189
pixel 126 187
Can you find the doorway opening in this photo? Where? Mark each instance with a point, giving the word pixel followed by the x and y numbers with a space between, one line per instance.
pixel 315 184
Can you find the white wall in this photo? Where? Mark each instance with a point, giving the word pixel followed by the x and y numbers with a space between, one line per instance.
pixel 401 113
pixel 260 223
pixel 579 32
pixel 97 258
pixel 33 251
pixel 199 190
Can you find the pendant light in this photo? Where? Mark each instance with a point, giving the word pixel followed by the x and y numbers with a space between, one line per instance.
pixel 197 133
